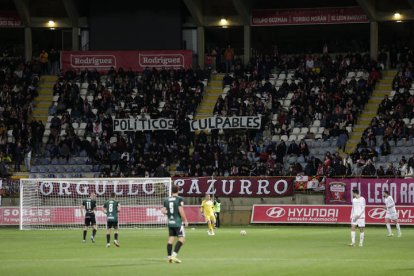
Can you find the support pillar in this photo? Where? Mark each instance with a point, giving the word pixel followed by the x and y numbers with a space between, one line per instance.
pixel 28 47
pixel 247 44
pixel 75 38
pixel 373 40
pixel 201 46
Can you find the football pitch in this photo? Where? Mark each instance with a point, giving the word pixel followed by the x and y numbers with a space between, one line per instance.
pixel 269 250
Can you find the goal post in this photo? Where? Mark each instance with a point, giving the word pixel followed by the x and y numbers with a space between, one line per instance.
pixel 55 203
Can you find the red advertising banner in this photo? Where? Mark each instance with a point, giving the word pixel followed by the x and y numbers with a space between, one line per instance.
pixel 235 186
pixel 134 60
pixel 10 19
pixel 322 214
pixel 74 215
pixel 311 16
pixel 339 191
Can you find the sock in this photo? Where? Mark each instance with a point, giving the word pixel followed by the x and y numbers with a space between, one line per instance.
pixel 210 227
pixel 398 228
pixel 177 248
pixel 353 237
pixel 108 238
pixel 389 229
pixel 93 233
pixel 169 249
pixel 361 238
pixel 116 236
pixel 84 234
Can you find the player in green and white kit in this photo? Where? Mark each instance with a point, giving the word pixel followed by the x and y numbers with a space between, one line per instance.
pixel 174 209
pixel 111 209
pixel 89 205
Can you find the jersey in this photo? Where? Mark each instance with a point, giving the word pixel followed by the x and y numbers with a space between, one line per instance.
pixel 390 205
pixel 358 207
pixel 172 205
pixel 89 205
pixel 207 207
pixel 111 207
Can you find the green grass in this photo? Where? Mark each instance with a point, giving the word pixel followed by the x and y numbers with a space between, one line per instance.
pixel 272 250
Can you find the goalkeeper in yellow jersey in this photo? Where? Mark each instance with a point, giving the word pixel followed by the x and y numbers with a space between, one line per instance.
pixel 207 209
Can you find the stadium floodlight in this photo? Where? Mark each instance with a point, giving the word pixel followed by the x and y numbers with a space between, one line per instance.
pixel 397 16
pixel 55 203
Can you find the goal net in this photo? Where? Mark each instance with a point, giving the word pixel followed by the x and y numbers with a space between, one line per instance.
pixel 57 203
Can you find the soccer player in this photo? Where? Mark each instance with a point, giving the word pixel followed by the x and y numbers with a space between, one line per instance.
pixel 111 209
pixel 207 209
pixel 391 214
pixel 174 209
pixel 357 217
pixel 89 205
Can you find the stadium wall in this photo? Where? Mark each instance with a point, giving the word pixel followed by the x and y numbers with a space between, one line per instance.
pixel 131 25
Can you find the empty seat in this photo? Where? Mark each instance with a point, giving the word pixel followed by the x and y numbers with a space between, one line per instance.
pixel 304 130
pixel 293 137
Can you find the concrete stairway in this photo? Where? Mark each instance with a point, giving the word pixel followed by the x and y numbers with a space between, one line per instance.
pixel 45 98
pixel 213 90
pixel 383 88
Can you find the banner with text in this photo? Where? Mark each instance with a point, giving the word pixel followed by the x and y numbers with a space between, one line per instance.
pixel 339 191
pixel 74 215
pixel 10 19
pixel 143 124
pixel 189 186
pixel 311 16
pixel 322 214
pixel 251 122
pixel 134 60
pixel 235 186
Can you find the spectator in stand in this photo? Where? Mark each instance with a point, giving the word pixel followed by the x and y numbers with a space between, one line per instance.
pixel 229 58
pixel 391 171
pixel 44 62
pixel 369 169
pixel 54 62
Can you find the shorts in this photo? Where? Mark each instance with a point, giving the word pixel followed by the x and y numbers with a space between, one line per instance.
pixel 90 220
pixel 359 222
pixel 176 231
pixel 210 217
pixel 112 224
pixel 391 216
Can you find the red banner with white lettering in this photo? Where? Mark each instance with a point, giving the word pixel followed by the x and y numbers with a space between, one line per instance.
pixel 339 191
pixel 235 186
pixel 311 16
pixel 189 187
pixel 10 19
pixel 74 215
pixel 134 60
pixel 322 214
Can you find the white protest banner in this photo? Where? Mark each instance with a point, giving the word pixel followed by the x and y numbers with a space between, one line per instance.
pixel 142 124
pixel 251 122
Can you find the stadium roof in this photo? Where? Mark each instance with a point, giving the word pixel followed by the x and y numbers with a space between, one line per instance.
pixel 197 12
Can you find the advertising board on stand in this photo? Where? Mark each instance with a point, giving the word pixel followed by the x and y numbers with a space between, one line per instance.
pixel 134 60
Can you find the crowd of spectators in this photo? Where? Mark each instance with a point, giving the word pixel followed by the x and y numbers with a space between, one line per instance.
pixel 319 88
pixel 321 92
pixel 391 128
pixel 173 94
pixel 19 134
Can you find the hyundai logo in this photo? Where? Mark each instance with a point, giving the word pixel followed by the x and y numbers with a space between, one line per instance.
pixel 377 213
pixel 275 212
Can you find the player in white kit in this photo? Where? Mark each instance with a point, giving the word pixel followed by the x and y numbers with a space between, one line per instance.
pixel 391 213
pixel 357 217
